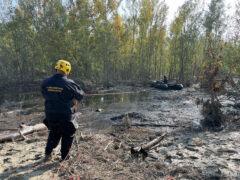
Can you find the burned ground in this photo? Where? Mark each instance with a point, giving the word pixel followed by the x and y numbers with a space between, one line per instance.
pixel 103 151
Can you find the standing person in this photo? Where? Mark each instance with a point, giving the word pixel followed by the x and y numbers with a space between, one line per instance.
pixel 59 92
pixel 165 79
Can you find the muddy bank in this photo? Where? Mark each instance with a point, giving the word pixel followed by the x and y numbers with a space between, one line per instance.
pixel 184 154
pixel 151 107
pixel 102 150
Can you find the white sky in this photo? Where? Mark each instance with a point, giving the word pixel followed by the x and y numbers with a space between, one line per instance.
pixel 175 4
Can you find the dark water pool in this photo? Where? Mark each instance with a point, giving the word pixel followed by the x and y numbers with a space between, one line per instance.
pixel 153 106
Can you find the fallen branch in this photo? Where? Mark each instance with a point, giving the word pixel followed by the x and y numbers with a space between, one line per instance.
pixel 150 125
pixel 107 145
pixel 24 130
pixel 143 148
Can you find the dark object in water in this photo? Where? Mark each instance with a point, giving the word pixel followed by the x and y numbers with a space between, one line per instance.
pixel 161 85
pixel 237 105
pixel 175 86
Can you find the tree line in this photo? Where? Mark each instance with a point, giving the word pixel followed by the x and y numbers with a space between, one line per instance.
pixel 115 40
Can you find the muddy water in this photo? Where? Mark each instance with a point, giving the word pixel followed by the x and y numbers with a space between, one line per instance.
pixel 147 106
pixel 152 107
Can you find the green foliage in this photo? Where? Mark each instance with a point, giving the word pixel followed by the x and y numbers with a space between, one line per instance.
pixel 103 45
pixel 185 46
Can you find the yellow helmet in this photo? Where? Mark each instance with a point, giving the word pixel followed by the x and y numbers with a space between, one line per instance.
pixel 64 66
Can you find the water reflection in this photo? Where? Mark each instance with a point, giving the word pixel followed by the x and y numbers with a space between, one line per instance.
pixel 18 97
pixel 15 100
pixel 163 107
pixel 94 101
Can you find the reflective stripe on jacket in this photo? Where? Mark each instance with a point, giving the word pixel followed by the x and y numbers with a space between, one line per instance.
pixel 59 92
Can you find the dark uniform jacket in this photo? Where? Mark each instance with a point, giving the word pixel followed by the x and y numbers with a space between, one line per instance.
pixel 59 92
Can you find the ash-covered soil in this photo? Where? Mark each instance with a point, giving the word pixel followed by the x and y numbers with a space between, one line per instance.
pixel 184 154
pixel 102 147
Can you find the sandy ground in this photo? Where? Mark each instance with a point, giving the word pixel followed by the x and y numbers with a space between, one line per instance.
pixel 23 159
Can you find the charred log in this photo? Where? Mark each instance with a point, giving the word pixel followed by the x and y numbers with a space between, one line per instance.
pixel 143 148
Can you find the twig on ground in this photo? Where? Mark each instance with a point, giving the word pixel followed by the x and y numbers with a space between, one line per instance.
pixel 108 145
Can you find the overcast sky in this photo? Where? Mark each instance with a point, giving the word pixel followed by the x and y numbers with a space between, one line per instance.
pixel 175 4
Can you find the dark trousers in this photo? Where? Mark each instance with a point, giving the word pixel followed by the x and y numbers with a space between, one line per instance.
pixel 60 130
